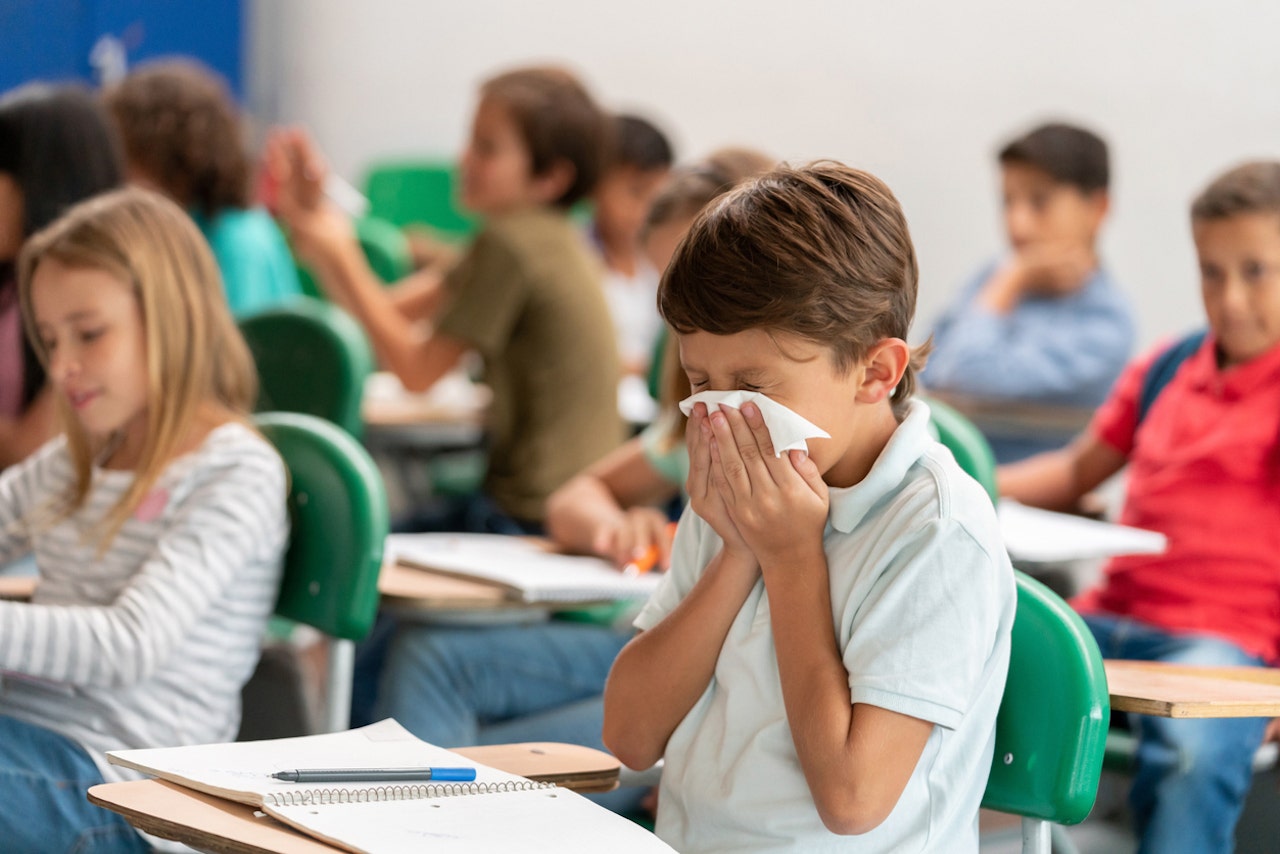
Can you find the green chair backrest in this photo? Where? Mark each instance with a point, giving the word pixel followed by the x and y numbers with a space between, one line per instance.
pixel 338 510
pixel 421 191
pixel 312 357
pixel 966 443
pixel 1052 726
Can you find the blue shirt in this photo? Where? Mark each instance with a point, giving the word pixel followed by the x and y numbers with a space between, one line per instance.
pixel 257 268
pixel 1064 350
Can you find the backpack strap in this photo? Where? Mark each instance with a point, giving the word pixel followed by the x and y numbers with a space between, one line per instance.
pixel 1163 369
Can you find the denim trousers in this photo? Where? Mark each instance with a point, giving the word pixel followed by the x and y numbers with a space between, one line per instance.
pixel 1192 775
pixel 456 686
pixel 43 808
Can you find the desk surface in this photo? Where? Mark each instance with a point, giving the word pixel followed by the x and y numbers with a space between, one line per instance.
pixel 1014 417
pixel 1182 691
pixel 211 823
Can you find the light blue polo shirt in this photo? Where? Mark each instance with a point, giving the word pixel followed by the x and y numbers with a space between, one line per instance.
pixel 922 599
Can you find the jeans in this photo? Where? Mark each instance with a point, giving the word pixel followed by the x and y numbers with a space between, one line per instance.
pixel 456 686
pixel 43 809
pixel 1192 774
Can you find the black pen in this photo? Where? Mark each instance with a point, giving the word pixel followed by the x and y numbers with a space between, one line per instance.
pixel 375 775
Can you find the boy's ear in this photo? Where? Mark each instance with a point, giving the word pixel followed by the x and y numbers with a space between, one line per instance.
pixel 882 369
pixel 554 181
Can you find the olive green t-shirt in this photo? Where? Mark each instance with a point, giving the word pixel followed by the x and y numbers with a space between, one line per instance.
pixel 527 296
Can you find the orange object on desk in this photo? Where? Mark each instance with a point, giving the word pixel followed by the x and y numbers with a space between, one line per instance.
pixel 649 560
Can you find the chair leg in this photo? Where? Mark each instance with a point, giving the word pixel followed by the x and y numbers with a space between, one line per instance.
pixel 1060 840
pixel 1035 836
pixel 337 706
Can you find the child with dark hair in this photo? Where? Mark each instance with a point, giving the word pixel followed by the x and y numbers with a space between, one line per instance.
pixel 640 162
pixel 526 295
pixel 57 148
pixel 1047 323
pixel 828 651
pixel 183 136
pixel 1198 425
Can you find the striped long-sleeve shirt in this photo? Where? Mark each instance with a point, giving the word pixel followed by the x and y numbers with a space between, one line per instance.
pixel 149 644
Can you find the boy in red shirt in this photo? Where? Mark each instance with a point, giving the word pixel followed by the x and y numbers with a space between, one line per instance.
pixel 1204 469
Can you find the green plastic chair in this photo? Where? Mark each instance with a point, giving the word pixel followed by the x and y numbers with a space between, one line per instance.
pixel 418 191
pixel 967 445
pixel 1051 730
pixel 312 357
pixel 338 512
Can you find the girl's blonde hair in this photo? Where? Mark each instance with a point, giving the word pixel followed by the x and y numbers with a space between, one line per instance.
pixel 195 353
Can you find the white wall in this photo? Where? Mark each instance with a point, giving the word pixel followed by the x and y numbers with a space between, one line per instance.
pixel 921 93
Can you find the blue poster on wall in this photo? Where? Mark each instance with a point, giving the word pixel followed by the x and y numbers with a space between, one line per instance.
pixel 97 40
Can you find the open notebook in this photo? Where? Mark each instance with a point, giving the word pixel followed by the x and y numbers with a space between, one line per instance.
pixel 499 811
pixel 1042 536
pixel 520 566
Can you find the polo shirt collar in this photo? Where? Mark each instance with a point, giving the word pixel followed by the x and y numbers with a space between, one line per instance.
pixel 850 504
pixel 1236 381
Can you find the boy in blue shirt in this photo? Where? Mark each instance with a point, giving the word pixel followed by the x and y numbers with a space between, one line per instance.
pixel 828 651
pixel 1045 324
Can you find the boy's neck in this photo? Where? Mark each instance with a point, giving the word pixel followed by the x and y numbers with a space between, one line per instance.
pixel 620 256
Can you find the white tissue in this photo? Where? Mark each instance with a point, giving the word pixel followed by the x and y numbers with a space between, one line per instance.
pixel 787 430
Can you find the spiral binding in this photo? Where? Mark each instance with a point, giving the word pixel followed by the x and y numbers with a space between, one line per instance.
pixel 411 792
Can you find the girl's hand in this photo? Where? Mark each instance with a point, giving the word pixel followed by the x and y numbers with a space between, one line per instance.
pixel 778 505
pixel 295 177
pixel 631 535
pixel 704 498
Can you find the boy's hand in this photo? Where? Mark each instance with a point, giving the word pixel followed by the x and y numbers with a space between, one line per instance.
pixel 295 174
pixel 1054 268
pixel 630 536
pixel 777 504
pixel 704 498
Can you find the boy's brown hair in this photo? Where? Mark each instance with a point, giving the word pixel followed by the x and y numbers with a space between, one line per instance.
pixel 1069 154
pixel 1252 187
pixel 558 120
pixel 181 127
pixel 821 251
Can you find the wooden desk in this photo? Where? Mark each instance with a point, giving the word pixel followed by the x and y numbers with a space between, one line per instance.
pixel 1017 418
pixel 211 823
pixel 1182 691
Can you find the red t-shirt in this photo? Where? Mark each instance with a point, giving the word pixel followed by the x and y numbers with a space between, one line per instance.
pixel 1204 470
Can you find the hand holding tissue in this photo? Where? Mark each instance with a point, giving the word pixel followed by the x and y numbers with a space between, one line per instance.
pixel 787 430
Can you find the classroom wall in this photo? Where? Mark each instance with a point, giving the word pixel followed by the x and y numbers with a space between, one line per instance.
pixel 920 93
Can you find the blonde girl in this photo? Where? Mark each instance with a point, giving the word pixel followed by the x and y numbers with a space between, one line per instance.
pixel 157 519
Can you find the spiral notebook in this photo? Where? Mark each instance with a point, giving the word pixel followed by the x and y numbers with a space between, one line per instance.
pixel 520 565
pixel 498 811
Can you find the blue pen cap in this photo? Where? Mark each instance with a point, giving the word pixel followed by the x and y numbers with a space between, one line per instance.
pixel 453 775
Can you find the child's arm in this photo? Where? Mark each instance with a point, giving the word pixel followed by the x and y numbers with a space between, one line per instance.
pixel 323 237
pixel 1057 480
pixel 856 759
pixel 646 698
pixel 233 519
pixel 608 509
